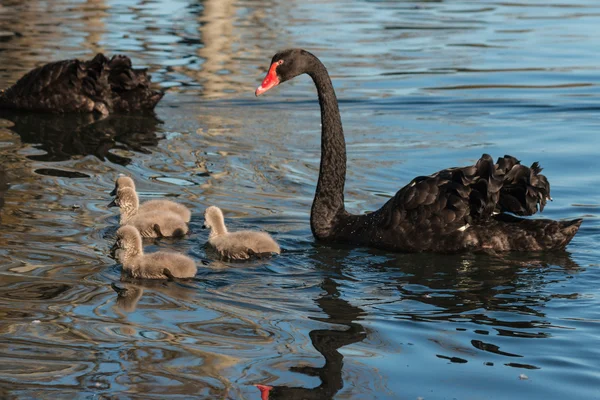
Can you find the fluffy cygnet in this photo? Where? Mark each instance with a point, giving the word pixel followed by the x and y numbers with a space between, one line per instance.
pixel 158 265
pixel 157 223
pixel 236 245
pixel 153 205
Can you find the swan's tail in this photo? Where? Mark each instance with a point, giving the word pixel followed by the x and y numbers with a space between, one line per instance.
pixel 524 234
pixel 568 230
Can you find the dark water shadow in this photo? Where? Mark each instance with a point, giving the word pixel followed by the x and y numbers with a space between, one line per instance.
pixel 461 284
pixel 63 137
pixel 327 342
pixel 469 288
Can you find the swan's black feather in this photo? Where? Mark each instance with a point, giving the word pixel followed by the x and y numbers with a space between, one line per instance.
pixel 100 84
pixel 475 193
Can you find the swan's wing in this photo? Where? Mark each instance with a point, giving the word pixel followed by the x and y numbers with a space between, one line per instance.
pixel 38 79
pixel 68 85
pixel 66 73
pixel 454 197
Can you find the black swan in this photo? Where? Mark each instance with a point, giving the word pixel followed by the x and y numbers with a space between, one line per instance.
pixel 99 85
pixel 453 210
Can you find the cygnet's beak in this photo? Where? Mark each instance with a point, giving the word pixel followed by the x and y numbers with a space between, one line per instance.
pixel 204 226
pixel 114 191
pixel 113 204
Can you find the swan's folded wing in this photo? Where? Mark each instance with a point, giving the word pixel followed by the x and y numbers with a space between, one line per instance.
pixel 26 92
pixel 454 197
pixel 67 85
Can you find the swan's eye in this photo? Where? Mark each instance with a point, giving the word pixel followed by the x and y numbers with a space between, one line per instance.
pixel 279 62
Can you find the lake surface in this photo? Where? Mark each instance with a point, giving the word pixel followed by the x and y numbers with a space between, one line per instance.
pixel 422 86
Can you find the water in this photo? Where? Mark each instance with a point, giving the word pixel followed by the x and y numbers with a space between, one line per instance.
pixel 422 86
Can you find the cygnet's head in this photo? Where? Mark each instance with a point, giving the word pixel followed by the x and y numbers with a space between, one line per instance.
pixel 123 181
pixel 128 242
pixel 214 220
pixel 127 200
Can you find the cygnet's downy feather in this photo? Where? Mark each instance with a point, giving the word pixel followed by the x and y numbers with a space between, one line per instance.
pixel 157 223
pixel 158 265
pixel 236 245
pixel 153 205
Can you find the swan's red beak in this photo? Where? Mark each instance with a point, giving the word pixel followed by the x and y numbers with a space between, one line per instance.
pixel 270 81
pixel 264 391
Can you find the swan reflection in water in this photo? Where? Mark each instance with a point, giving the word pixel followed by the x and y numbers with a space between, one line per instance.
pixel 64 136
pixel 449 289
pixel 327 342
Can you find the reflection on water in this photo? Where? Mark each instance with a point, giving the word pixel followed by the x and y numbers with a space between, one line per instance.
pixel 422 86
pixel 63 137
pixel 128 296
pixel 327 342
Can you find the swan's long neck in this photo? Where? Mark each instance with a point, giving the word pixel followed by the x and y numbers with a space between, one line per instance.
pixel 329 197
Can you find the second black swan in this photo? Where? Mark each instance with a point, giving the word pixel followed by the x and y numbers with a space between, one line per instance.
pixel 98 85
pixel 457 209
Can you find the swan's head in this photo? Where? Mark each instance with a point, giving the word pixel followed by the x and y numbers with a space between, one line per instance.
pixel 128 243
pixel 285 65
pixel 214 220
pixel 127 200
pixel 121 182
pixel 264 391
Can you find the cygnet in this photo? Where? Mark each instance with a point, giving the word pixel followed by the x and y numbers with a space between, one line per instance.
pixel 236 245
pixel 153 205
pixel 150 224
pixel 158 265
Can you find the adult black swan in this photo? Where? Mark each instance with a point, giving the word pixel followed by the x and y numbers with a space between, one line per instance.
pixel 456 209
pixel 98 85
